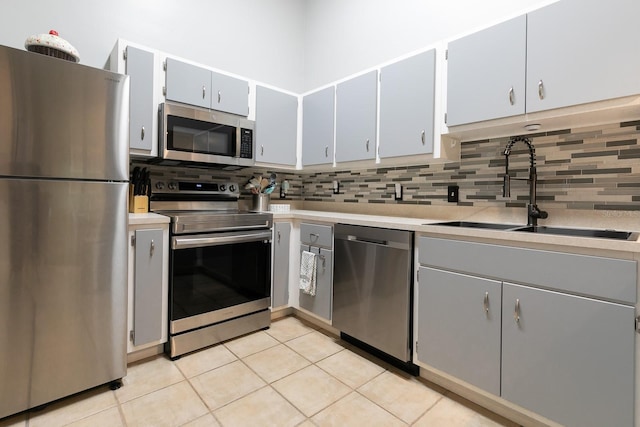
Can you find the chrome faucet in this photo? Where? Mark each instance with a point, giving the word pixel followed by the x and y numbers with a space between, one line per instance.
pixel 533 212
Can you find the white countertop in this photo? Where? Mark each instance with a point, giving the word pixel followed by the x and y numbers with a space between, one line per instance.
pixel 148 218
pixel 423 225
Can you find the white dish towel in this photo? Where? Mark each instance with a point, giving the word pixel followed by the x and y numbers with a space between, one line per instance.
pixel 308 273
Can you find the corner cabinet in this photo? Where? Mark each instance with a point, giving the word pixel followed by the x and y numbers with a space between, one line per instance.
pixel 356 121
pixel 318 239
pixel 199 86
pixel 407 100
pixel 318 125
pixel 276 127
pixel 143 68
pixel 280 282
pixel 553 332
pixel 148 285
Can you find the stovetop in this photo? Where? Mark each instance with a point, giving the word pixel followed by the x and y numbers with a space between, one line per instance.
pixel 208 221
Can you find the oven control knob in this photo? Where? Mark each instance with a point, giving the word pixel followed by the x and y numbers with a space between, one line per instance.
pixel 223 187
pixel 173 185
pixel 160 185
pixel 232 188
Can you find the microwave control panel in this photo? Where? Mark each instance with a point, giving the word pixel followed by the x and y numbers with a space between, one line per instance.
pixel 246 143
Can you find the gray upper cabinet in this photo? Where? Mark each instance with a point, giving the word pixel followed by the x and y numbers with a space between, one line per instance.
pixel 486 73
pixel 580 51
pixel 140 68
pixel 229 94
pixel 568 358
pixel 356 110
pixel 459 326
pixel 318 127
pixel 276 126
pixel 190 84
pixel 407 97
pixel 281 239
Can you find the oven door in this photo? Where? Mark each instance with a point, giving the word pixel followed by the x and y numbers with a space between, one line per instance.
pixel 218 276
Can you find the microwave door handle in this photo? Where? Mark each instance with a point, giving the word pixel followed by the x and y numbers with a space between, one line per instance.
pixel 217 240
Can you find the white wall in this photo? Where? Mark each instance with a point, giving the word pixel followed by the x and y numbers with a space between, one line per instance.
pixel 259 39
pixel 345 37
pixel 297 45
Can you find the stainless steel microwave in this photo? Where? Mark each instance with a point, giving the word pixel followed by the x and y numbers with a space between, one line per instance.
pixel 193 134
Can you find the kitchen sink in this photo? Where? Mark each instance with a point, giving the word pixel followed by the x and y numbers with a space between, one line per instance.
pixel 579 232
pixel 559 231
pixel 470 224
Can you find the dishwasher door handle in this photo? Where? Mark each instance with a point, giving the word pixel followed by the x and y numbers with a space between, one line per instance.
pixel 370 241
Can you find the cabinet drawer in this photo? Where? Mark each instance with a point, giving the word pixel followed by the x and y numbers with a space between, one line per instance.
pixel 601 277
pixel 316 235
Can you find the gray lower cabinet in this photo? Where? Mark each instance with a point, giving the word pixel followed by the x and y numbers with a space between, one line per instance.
pixel 281 240
pixel 356 122
pixel 318 127
pixel 568 358
pixel 459 329
pixel 320 304
pixel 148 293
pixel 276 127
pixel 407 100
pixel 318 238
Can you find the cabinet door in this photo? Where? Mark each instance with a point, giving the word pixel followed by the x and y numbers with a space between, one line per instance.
pixel 188 83
pixel 276 126
pixel 356 108
pixel 486 73
pixel 568 358
pixel 582 51
pixel 407 97
pixel 139 68
pixel 320 304
pixel 459 326
pixel 147 311
pixel 318 127
pixel 229 94
pixel 280 292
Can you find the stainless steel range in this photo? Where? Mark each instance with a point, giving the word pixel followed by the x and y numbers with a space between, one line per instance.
pixel 220 264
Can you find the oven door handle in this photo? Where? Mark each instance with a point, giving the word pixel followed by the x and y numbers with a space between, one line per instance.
pixel 198 241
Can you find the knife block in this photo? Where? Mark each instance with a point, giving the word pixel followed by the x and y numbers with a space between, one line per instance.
pixel 137 204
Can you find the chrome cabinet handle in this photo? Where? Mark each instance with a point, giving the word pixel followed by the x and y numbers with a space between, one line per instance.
pixel 278 237
pixel 142 133
pixel 326 151
pixel 262 150
pixel 219 97
pixel 422 137
pixel 367 145
pixel 511 97
pixel 204 92
pixel 540 89
pixel 486 303
pixel 516 311
pixel 153 248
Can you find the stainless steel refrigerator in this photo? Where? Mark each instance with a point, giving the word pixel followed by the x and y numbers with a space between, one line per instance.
pixel 63 228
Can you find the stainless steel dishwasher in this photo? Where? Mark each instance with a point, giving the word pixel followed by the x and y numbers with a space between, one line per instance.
pixel 372 289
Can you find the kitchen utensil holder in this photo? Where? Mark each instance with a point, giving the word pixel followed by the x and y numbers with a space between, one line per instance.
pixel 261 202
pixel 137 204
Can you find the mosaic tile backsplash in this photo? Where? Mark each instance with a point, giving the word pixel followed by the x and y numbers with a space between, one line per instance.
pixel 587 168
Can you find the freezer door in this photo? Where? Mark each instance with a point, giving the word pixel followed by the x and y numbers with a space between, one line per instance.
pixel 62 120
pixel 63 281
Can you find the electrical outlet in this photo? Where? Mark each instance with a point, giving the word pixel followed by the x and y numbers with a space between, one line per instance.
pixel 336 187
pixel 398 191
pixel 452 193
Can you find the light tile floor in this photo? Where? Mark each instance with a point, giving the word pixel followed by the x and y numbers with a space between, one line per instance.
pixel 289 375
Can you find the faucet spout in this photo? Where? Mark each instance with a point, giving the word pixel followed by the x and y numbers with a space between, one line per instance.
pixel 533 212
